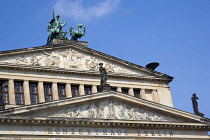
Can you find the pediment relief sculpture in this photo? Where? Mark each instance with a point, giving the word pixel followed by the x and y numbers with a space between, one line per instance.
pixel 108 109
pixel 65 58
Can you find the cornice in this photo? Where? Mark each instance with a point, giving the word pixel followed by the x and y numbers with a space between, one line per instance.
pixel 78 72
pixel 109 94
pixel 42 121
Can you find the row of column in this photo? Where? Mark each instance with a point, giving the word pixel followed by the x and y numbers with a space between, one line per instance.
pixel 41 97
pixel 154 93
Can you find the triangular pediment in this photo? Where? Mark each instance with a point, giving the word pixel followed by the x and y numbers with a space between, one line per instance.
pixel 106 105
pixel 73 56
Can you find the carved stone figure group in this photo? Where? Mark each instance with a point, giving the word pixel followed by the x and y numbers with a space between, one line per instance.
pixel 109 109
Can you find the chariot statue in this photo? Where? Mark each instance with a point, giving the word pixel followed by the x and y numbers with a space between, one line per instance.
pixel 77 33
pixel 54 28
pixel 55 31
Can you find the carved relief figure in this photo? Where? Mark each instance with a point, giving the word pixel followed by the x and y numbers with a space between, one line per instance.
pixel 109 67
pixel 34 60
pixel 91 111
pixel 75 59
pixel 77 112
pixel 99 110
pixel 19 60
pixel 132 114
pixel 111 109
pixel 52 60
pixel 122 111
pixel 92 64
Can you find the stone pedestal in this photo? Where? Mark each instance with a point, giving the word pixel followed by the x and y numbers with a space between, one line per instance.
pixel 105 87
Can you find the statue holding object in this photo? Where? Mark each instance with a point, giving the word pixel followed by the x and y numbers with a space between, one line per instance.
pixel 194 99
pixel 103 74
pixel 55 31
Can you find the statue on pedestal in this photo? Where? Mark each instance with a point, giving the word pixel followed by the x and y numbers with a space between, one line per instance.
pixel 103 74
pixel 194 99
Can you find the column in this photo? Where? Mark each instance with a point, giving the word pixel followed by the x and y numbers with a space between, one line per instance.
pixel 26 92
pixel 41 92
pixel 68 90
pixel 142 94
pixel 94 89
pixel 81 89
pixel 11 92
pixel 55 90
pixel 155 96
pixel 130 91
pixel 119 89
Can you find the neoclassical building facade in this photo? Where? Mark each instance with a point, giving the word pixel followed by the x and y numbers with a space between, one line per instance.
pixel 52 92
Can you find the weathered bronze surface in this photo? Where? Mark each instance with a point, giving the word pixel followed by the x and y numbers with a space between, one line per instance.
pixel 194 99
pixel 78 33
pixel 152 65
pixel 103 74
pixel 55 31
pixel 103 86
pixel 54 28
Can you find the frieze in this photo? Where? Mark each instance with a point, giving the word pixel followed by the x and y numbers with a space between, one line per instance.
pixel 65 58
pixel 109 109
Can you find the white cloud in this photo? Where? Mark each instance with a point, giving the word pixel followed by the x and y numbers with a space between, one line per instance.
pixel 76 10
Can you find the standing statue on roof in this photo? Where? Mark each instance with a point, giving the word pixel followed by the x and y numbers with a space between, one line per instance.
pixel 103 74
pixel 194 99
pixel 54 28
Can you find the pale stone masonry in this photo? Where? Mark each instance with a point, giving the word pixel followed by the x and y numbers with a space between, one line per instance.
pixel 52 94
pixel 68 63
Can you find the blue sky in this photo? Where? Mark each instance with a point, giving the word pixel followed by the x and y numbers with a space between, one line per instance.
pixel 174 33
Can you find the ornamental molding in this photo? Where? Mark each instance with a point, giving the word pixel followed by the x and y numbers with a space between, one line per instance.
pixel 67 59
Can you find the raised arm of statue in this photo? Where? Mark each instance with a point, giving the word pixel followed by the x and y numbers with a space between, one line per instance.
pixel 64 23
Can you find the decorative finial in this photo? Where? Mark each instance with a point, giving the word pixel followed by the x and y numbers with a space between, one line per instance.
pixel 194 99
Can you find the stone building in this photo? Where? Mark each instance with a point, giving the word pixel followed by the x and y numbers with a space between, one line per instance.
pixel 52 92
